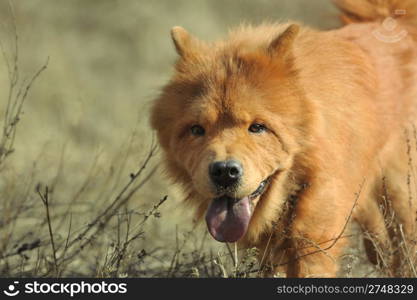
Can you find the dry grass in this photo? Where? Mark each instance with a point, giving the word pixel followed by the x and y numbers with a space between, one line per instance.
pixel 81 193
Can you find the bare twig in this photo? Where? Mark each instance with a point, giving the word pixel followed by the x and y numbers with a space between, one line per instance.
pixel 17 92
pixel 45 200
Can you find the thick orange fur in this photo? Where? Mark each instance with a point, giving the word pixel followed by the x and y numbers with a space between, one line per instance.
pixel 336 105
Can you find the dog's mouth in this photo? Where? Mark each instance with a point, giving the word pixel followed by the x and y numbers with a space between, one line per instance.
pixel 228 218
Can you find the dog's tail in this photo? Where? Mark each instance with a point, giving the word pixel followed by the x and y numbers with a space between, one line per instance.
pixel 356 11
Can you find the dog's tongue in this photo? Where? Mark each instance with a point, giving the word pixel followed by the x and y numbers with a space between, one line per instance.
pixel 227 219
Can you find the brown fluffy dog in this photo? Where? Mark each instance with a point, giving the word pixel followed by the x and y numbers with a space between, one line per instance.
pixel 281 134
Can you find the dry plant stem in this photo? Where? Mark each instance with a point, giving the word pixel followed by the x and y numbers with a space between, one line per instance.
pixel 13 113
pixel 128 239
pixel 122 198
pixel 409 256
pixel 175 258
pixel 111 209
pixel 231 255
pixel 66 244
pixel 45 200
pixel 102 224
pixel 76 197
pixel 18 204
pixel 145 218
pixel 221 267
pixel 17 91
pixel 261 263
pixel 16 94
pixel 236 258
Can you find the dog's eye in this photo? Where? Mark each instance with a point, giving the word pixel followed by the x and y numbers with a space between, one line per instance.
pixel 257 128
pixel 197 130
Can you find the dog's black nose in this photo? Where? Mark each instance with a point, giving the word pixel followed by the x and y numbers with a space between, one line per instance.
pixel 225 173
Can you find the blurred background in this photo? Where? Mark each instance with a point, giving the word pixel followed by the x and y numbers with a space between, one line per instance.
pixel 84 129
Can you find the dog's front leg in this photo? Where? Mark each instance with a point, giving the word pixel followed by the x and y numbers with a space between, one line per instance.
pixel 318 233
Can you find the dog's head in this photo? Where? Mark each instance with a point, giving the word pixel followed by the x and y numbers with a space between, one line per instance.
pixel 227 123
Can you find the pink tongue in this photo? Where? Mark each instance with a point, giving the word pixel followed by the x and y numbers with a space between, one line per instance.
pixel 228 219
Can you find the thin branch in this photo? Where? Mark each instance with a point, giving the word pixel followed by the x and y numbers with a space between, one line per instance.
pixel 45 200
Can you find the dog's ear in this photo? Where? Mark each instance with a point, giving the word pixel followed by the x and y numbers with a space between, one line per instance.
pixel 183 41
pixel 282 44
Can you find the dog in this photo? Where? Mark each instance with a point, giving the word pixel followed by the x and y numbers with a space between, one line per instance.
pixel 281 135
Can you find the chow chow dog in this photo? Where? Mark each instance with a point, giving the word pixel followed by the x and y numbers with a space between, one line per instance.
pixel 281 135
